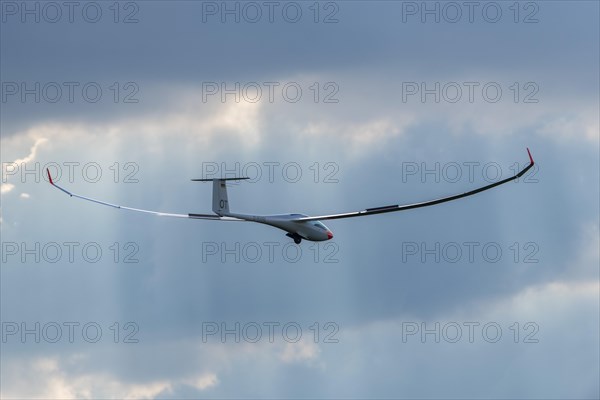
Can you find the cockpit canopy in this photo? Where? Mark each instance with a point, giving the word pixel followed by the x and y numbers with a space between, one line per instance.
pixel 320 225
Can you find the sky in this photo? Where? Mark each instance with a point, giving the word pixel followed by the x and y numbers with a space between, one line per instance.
pixel 328 107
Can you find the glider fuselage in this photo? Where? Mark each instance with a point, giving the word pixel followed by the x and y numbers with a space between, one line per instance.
pixel 315 231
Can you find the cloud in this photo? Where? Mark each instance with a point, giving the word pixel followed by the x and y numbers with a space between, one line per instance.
pixel 352 126
pixel 547 347
pixel 581 124
pixel 362 138
pixel 87 373
pixel 187 119
pixel 203 381
pixel 6 187
pixel 302 351
pixel 9 168
pixel 48 377
pixel 196 121
pixel 33 151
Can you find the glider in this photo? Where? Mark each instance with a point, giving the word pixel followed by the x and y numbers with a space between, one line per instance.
pixel 297 226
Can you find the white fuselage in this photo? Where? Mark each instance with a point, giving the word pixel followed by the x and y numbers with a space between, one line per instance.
pixel 314 231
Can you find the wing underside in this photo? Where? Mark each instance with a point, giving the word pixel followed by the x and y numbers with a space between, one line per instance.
pixel 398 207
pixel 159 213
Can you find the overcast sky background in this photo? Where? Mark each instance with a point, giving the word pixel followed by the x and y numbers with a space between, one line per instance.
pixel 371 142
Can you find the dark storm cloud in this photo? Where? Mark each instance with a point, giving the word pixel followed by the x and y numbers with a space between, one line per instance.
pixel 370 135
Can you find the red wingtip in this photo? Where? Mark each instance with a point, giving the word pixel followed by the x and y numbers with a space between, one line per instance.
pixel 49 177
pixel 530 158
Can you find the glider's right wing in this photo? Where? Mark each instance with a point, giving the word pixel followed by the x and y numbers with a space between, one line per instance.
pixel 398 207
pixel 162 214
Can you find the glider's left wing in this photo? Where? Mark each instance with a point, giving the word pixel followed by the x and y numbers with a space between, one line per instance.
pixel 162 214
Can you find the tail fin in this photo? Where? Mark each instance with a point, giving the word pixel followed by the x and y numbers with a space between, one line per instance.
pixel 220 204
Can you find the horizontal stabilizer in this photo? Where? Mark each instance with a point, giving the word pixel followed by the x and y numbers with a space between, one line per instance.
pixel 219 179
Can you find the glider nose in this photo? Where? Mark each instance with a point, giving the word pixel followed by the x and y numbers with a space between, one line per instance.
pixel 329 235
